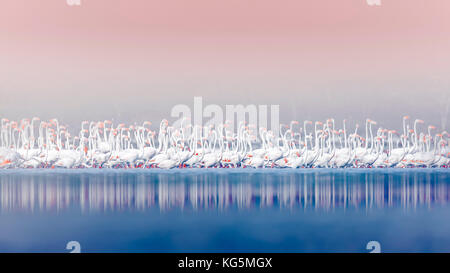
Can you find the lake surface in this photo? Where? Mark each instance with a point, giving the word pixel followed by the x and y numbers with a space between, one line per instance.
pixel 225 210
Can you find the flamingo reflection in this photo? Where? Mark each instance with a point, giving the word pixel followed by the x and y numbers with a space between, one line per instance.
pixel 136 191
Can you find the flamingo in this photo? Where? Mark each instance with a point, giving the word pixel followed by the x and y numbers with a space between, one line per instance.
pixel 36 143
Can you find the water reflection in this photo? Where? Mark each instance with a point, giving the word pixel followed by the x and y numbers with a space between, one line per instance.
pixel 219 190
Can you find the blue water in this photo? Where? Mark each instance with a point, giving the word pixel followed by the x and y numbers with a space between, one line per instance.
pixel 225 210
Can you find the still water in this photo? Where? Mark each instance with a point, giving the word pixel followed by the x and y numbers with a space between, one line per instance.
pixel 225 210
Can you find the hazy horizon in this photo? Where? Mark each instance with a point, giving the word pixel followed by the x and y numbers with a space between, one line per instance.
pixel 134 60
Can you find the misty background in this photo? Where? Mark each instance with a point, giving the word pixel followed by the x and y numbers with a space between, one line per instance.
pixel 132 61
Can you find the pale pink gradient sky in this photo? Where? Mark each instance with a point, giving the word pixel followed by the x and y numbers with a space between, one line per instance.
pixel 135 59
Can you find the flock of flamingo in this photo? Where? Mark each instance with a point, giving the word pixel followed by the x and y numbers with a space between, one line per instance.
pixel 32 143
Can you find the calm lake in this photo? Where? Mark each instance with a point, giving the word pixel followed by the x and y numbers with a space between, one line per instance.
pixel 225 210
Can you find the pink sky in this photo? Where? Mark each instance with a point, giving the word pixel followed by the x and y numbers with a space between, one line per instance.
pixel 316 58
